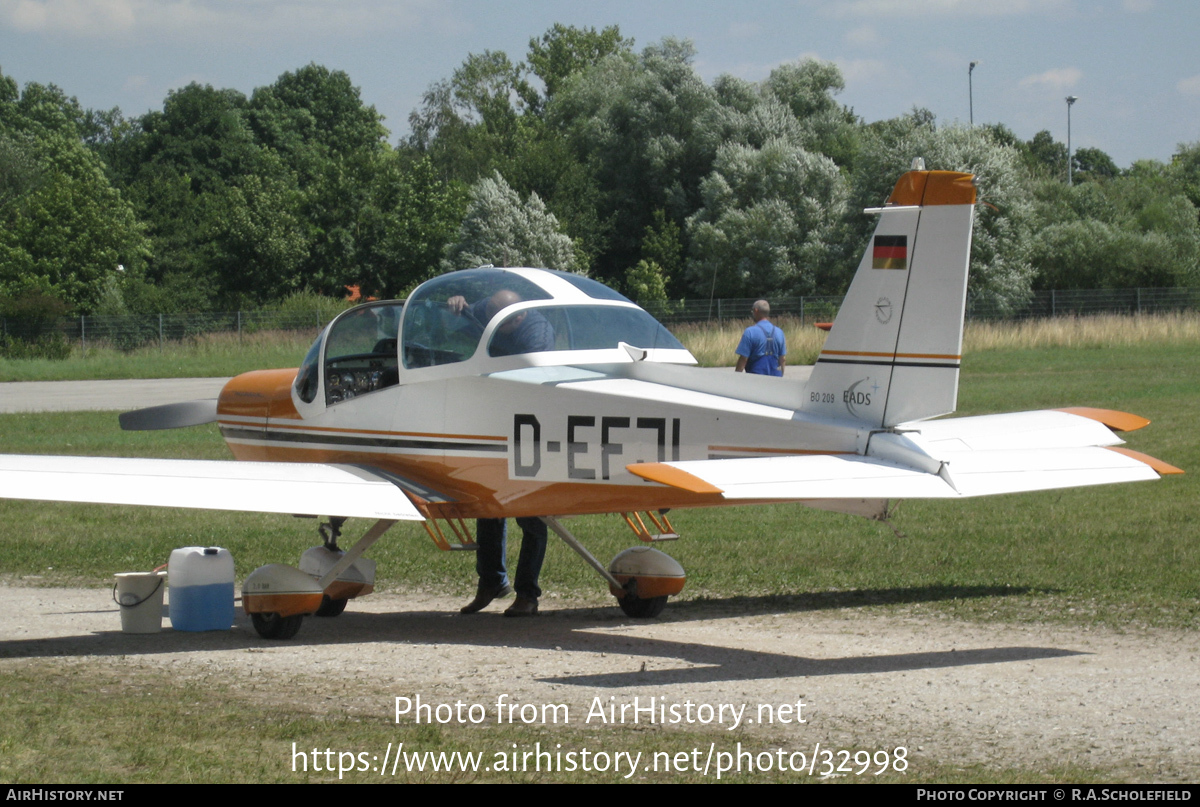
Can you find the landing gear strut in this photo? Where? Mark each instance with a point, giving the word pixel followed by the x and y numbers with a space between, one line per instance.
pixel 640 578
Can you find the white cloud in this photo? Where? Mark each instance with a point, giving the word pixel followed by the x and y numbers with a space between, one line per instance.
pixel 1059 78
pixel 70 16
pixel 863 36
pixel 135 83
pixel 926 8
pixel 1189 86
pixel 855 71
pixel 745 30
pixel 104 18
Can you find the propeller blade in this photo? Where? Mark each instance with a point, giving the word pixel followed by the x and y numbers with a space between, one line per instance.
pixel 170 416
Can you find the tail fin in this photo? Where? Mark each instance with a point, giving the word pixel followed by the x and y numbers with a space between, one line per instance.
pixel 894 350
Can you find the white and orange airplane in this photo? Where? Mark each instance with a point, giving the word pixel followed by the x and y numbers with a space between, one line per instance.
pixel 423 410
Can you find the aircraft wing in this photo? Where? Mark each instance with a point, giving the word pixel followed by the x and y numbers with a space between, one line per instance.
pixel 260 487
pixel 976 456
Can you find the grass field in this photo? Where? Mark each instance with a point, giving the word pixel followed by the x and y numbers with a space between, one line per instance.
pixel 1125 557
pixel 227 354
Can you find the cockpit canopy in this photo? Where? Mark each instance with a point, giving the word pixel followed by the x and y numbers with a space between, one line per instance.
pixel 487 318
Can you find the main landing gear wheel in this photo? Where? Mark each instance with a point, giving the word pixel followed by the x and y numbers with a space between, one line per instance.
pixel 274 626
pixel 331 607
pixel 634 606
pixel 647 577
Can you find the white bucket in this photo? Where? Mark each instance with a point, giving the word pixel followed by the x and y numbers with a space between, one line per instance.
pixel 140 595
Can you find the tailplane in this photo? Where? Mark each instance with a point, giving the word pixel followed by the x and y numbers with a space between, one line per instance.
pixel 893 352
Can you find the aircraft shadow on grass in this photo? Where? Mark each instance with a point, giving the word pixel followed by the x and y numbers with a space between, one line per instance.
pixel 589 630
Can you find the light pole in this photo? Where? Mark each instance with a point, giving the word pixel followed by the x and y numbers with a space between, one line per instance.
pixel 1071 99
pixel 971 90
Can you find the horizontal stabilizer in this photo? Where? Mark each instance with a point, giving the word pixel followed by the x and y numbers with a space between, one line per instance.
pixel 170 416
pixel 1038 429
pixel 257 487
pixel 843 476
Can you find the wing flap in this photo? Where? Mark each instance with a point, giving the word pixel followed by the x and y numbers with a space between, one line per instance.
pixel 260 487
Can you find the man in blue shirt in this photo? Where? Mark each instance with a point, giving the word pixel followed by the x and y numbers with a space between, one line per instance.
pixel 763 349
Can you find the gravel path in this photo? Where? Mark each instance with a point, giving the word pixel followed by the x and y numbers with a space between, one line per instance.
pixel 1027 697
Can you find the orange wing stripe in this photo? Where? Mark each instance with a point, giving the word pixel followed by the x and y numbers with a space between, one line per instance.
pixel 1121 421
pixel 666 475
pixel 1158 465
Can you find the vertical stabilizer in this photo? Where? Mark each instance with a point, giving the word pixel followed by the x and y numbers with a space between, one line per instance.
pixel 893 352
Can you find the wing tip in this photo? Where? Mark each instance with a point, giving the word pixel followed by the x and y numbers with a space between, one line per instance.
pixel 1118 421
pixel 1159 467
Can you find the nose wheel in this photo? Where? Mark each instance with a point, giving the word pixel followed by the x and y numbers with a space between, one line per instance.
pixel 273 626
pixel 331 607
pixel 637 608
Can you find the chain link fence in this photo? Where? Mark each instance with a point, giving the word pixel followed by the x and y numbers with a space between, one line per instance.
pixel 131 332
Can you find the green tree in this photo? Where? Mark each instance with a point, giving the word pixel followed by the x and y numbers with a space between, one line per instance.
pixel 63 226
pixel 502 230
pixel 662 247
pixel 646 283
pixel 808 90
pixel 1184 171
pixel 1093 164
pixel 564 50
pixel 643 123
pixel 766 222
pixel 1132 230
pixel 202 180
pixel 1046 155
pixel 410 217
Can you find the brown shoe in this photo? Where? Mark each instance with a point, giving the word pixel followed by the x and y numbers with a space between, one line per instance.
pixel 522 606
pixel 484 596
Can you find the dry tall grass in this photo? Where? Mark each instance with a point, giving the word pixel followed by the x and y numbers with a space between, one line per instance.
pixel 713 343
pixel 1101 330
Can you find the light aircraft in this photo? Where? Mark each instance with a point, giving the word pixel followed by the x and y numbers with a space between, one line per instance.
pixel 421 411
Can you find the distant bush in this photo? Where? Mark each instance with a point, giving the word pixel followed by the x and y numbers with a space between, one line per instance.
pixel 29 332
pixel 307 306
pixel 46 346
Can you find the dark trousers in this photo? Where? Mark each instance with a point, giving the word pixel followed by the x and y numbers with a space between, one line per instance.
pixel 491 535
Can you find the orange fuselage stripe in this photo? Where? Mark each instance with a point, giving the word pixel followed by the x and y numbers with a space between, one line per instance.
pixel 754 450
pixel 274 425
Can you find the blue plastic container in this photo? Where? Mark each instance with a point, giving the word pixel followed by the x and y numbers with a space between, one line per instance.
pixel 201 588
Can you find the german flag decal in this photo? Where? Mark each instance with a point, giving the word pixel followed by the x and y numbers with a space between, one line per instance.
pixel 891 252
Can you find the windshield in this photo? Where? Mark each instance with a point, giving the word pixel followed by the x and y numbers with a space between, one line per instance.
pixel 583 327
pixel 447 315
pixel 306 379
pixel 360 354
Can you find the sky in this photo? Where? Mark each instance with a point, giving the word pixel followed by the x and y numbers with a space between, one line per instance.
pixel 1133 64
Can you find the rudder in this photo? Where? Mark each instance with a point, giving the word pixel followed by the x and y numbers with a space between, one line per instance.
pixel 894 350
